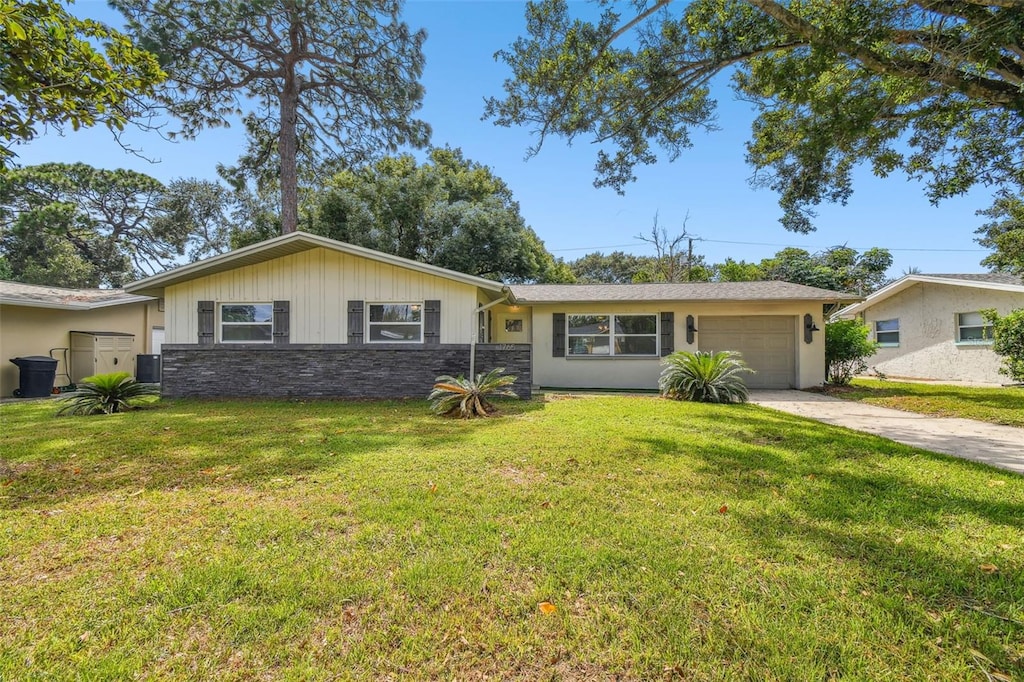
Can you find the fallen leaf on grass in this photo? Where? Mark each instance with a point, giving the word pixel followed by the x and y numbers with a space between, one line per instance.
pixel 545 504
pixel 988 568
pixel 137 492
pixel 723 509
pixel 431 487
pixel 547 608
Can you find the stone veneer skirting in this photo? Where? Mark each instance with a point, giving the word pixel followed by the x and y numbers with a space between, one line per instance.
pixel 329 371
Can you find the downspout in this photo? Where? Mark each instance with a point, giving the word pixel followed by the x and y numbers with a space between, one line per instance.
pixel 476 332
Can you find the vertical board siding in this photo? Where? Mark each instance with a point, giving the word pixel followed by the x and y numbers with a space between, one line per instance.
pixel 319 283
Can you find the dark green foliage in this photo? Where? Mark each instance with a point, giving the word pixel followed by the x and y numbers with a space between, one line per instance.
pixel 106 394
pixel 846 348
pixel 839 268
pixel 933 89
pixel 1004 234
pixel 705 377
pixel 465 398
pixel 58 70
pixel 1008 341
pixel 449 211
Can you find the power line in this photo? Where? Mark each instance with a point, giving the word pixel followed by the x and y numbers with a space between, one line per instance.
pixel 793 246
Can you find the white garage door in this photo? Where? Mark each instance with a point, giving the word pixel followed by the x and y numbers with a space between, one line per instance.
pixel 767 342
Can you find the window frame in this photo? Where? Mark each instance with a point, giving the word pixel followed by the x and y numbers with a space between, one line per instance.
pixel 896 331
pixel 221 323
pixel 987 330
pixel 611 336
pixel 370 324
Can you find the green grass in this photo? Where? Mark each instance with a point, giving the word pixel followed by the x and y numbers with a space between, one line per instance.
pixel 320 540
pixel 993 405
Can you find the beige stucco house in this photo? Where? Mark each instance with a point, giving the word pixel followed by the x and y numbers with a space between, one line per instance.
pixel 35 320
pixel 930 326
pixel 303 315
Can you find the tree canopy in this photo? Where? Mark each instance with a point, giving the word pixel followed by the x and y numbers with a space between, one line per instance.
pixel 78 226
pixel 448 211
pixel 59 70
pixel 931 88
pixel 340 77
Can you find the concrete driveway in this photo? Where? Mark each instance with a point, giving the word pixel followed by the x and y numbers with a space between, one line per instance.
pixel 999 446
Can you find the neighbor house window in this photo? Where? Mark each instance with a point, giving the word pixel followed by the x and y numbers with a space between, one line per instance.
pixel 972 328
pixel 396 323
pixel 247 323
pixel 887 332
pixel 612 335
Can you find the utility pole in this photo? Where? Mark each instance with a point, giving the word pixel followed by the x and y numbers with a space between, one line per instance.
pixel 689 259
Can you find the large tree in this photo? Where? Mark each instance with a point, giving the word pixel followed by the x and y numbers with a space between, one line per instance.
pixel 58 70
pixel 1004 234
pixel 448 211
pixel 75 225
pixel 343 75
pixel 839 268
pixel 934 88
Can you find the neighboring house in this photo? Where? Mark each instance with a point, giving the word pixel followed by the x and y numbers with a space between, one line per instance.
pixel 35 320
pixel 930 326
pixel 303 315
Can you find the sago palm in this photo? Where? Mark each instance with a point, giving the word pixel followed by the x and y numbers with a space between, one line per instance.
pixel 106 394
pixel 465 398
pixel 705 377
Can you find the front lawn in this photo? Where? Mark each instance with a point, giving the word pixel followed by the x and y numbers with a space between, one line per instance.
pixel 993 405
pixel 324 541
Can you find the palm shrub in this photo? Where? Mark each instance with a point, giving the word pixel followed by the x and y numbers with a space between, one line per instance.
pixel 706 377
pixel 465 398
pixel 106 394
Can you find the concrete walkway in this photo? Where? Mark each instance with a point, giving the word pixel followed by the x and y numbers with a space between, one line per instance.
pixel 999 446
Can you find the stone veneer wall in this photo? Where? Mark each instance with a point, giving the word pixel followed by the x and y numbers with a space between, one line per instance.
pixel 329 371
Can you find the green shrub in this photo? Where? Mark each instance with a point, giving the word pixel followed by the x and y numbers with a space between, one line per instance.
pixel 461 397
pixel 704 377
pixel 106 394
pixel 1008 341
pixel 846 347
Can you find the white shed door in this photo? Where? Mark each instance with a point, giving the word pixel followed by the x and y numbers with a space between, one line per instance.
pixel 767 342
pixel 157 340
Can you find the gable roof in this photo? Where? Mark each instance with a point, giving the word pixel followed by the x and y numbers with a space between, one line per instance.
pixel 985 280
pixel 35 296
pixel 287 245
pixel 682 291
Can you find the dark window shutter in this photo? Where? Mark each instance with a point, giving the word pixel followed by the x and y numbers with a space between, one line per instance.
pixel 355 322
pixel 558 335
pixel 432 322
pixel 206 331
pixel 282 323
pixel 668 338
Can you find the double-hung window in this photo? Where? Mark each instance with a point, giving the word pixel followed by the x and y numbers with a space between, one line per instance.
pixel 887 332
pixel 247 323
pixel 972 328
pixel 396 323
pixel 612 335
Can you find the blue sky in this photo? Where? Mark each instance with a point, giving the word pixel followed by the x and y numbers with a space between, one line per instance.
pixel 554 189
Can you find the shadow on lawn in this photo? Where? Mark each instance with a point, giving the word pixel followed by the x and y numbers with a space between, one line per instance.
pixel 863 514
pixel 1009 398
pixel 184 444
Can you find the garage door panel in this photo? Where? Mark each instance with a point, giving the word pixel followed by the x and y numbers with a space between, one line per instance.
pixel 767 343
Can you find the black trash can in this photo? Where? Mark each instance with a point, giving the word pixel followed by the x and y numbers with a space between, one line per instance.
pixel 35 379
pixel 147 369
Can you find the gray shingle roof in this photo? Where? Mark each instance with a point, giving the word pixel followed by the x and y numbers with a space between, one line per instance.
pixel 16 293
pixel 992 277
pixel 684 291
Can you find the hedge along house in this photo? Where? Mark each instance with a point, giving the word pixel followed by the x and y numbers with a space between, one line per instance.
pixel 303 315
pixel 614 336
pixel 35 319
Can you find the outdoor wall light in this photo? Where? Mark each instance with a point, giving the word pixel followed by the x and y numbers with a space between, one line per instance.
pixel 690 329
pixel 809 328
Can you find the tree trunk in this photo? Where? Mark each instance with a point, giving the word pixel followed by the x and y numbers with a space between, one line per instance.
pixel 287 147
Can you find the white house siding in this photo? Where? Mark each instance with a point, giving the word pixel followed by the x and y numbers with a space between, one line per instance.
pixel 319 283
pixel 643 373
pixel 928 348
